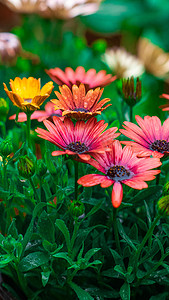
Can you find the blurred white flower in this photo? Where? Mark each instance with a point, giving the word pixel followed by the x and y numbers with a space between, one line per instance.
pixel 10 48
pixel 122 63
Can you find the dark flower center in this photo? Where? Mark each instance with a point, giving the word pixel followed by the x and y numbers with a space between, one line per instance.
pixel 118 173
pixel 77 147
pixel 80 109
pixel 160 146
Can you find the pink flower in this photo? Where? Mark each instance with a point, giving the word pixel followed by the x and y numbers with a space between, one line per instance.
pixel 121 166
pixel 82 139
pixel 151 138
pixel 39 115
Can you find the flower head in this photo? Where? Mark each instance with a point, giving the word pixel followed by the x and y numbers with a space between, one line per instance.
pixel 81 140
pixel 155 60
pixel 122 63
pixel 39 115
pixel 165 107
pixel 10 48
pixel 150 137
pixel 26 93
pixel 78 104
pixel 90 79
pixel 26 6
pixel 131 93
pixel 121 166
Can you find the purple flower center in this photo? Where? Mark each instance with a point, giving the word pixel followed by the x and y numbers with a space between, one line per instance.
pixel 77 147
pixel 118 173
pixel 160 146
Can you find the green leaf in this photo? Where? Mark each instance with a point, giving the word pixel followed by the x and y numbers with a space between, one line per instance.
pixel 49 247
pixel 45 277
pixel 120 270
pixel 151 193
pixel 94 209
pixel 64 256
pixel 125 291
pixel 63 228
pixel 82 295
pixel 117 258
pixel 12 230
pixel 90 253
pixel 46 228
pixel 148 214
pixel 124 235
pixel 33 260
pixel 5 259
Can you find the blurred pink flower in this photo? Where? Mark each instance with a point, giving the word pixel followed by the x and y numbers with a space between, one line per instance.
pixel 39 115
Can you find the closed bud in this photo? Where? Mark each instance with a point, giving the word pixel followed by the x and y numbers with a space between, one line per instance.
pixel 163 206
pixel 166 189
pixel 6 148
pixel 76 209
pixel 41 168
pixel 4 109
pixel 26 167
pixel 131 92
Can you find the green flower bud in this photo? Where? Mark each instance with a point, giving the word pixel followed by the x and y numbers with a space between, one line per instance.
pixel 76 209
pixel 9 243
pixel 166 189
pixel 6 148
pixel 41 168
pixel 163 206
pixel 4 109
pixel 131 93
pixel 26 167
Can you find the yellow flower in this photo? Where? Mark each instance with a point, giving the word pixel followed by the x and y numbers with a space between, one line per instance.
pixel 26 92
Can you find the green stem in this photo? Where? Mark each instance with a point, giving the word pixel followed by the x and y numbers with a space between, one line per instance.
pixel 4 174
pixel 35 192
pixel 148 234
pixel 131 113
pixel 76 179
pixel 116 234
pixel 28 140
pixel 3 129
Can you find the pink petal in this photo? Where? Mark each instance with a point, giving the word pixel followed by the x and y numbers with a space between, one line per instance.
pixel 91 179
pixel 117 194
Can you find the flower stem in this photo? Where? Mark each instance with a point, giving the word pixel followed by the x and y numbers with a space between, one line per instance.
pixel 116 234
pixel 3 129
pixel 28 129
pixel 131 113
pixel 34 189
pixel 4 174
pixel 76 179
pixel 148 234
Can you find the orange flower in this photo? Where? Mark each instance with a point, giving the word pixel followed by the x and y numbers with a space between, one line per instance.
pixel 79 105
pixel 26 92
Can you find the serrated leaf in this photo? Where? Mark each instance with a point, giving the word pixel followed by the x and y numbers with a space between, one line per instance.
pixel 125 291
pixel 82 295
pixel 33 260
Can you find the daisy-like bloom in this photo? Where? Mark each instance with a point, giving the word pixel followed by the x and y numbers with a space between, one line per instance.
pixel 122 63
pixel 27 94
pixel 90 79
pixel 67 9
pixel 25 6
pixel 81 140
pixel 155 60
pixel 121 166
pixel 10 47
pixel 39 115
pixel 78 104
pixel 165 107
pixel 151 138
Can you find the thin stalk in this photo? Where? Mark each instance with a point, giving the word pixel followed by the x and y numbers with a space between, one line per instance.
pixel 116 233
pixel 131 113
pixel 28 128
pixel 4 174
pixel 76 179
pixel 148 234
pixel 35 192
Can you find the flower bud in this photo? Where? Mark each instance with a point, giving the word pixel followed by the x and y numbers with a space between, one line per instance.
pixel 4 109
pixel 131 93
pixel 76 209
pixel 163 206
pixel 41 168
pixel 166 189
pixel 5 148
pixel 26 167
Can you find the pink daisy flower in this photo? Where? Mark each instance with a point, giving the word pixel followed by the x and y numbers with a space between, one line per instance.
pixel 90 79
pixel 121 166
pixel 82 139
pixel 40 115
pixel 150 137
